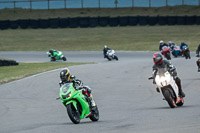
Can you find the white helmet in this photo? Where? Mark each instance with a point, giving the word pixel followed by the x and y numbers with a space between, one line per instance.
pixel 161 41
pixel 170 42
pixel 105 46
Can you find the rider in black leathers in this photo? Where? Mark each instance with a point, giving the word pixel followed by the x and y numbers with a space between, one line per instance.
pixel 162 44
pixel 197 51
pixel 160 63
pixel 105 50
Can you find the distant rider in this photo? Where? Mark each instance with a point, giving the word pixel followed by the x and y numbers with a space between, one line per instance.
pixel 172 45
pixel 52 51
pixel 160 63
pixel 162 44
pixel 66 77
pixel 197 51
pixel 105 50
pixel 183 44
pixel 198 64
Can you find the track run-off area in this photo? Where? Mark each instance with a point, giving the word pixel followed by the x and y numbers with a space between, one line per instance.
pixel 128 102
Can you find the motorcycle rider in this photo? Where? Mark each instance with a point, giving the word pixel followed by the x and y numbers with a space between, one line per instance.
pixel 51 51
pixel 66 77
pixel 160 63
pixel 198 64
pixel 183 44
pixel 172 45
pixel 197 51
pixel 162 44
pixel 105 50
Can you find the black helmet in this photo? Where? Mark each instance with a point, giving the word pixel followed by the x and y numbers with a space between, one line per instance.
pixel 157 58
pixel 65 75
pixel 51 51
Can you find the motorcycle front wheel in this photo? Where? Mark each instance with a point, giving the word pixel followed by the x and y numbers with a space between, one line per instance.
pixel 169 99
pixel 74 115
pixel 95 114
pixel 64 58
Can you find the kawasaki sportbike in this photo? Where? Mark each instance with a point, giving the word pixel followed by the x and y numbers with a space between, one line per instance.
pixel 110 55
pixel 167 85
pixel 78 105
pixel 57 55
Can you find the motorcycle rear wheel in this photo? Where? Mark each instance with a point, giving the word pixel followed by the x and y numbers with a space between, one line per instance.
pixel 169 98
pixel 74 115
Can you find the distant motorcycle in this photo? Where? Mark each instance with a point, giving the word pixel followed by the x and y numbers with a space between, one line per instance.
pixel 176 51
pixel 167 85
pixel 186 52
pixel 57 55
pixel 110 55
pixel 166 52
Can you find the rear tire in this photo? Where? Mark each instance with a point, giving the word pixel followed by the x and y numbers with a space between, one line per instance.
pixel 168 56
pixel 95 114
pixel 169 98
pixel 180 103
pixel 74 115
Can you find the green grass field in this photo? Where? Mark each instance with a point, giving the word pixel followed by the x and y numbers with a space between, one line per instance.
pixel 85 12
pixel 10 73
pixel 131 38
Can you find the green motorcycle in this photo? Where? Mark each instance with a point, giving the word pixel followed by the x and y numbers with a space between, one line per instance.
pixel 78 105
pixel 56 55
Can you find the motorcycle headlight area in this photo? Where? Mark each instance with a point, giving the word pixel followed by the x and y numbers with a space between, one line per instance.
pixel 163 81
pixel 67 95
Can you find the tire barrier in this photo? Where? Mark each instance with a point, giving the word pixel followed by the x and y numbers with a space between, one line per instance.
pixel 34 24
pixel 114 21
pixel 85 22
pixel 172 20
pixel 180 20
pixel 143 20
pixel 44 23
pixel 14 24
pixel 74 22
pixel 63 22
pixel 54 22
pixel 103 21
pixel 93 21
pixel 133 20
pixel 153 20
pixel 124 21
pixel 162 20
pixel 5 24
pixel 8 63
pixel 24 24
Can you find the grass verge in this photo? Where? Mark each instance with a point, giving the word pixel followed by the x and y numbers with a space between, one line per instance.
pixel 11 73
pixel 130 38
pixel 19 13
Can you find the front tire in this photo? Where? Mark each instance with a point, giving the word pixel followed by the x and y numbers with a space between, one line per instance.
pixel 74 115
pixel 169 98
pixel 116 58
pixel 64 58
pixel 168 56
pixel 95 114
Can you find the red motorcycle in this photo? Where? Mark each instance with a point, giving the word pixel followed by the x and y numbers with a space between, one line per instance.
pixel 166 52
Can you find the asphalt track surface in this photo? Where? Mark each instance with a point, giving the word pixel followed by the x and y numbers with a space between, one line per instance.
pixel 127 100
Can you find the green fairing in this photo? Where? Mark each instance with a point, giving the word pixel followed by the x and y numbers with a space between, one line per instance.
pixel 75 98
pixel 57 55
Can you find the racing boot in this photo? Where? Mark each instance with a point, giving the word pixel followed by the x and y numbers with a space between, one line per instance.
pixel 92 101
